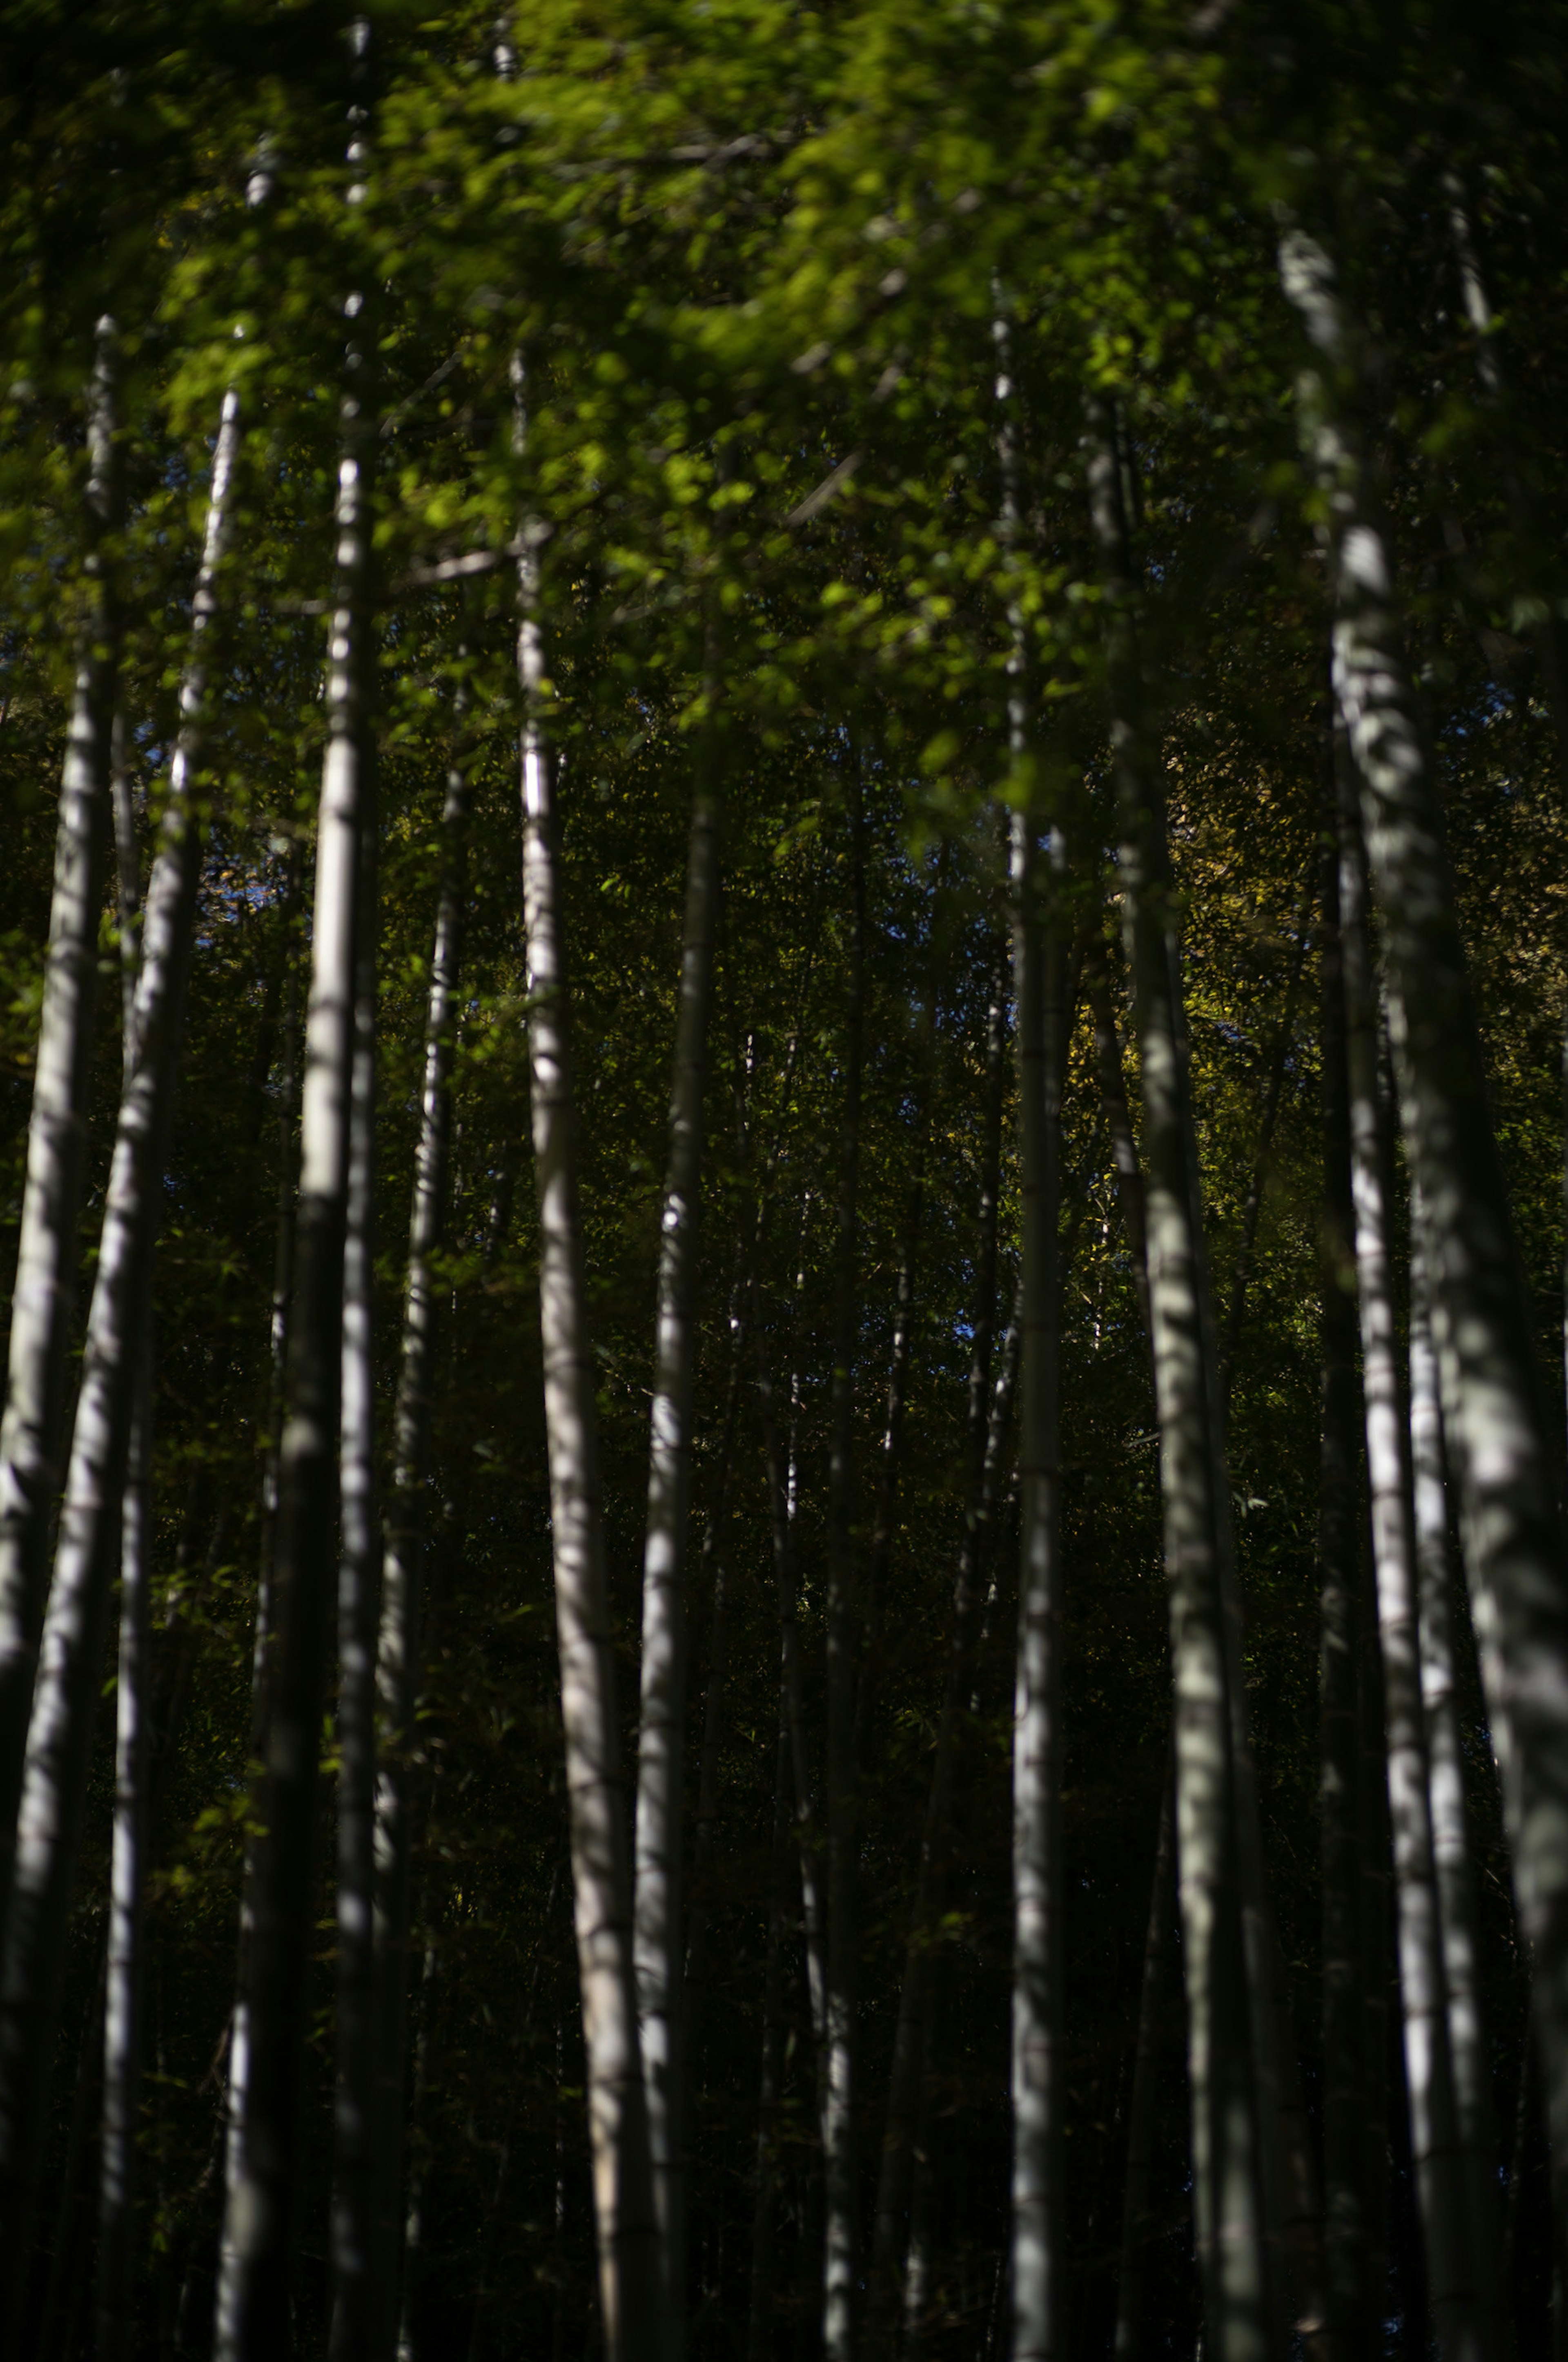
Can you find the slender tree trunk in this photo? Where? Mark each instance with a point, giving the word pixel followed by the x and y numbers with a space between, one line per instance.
pixel 1450 2232
pixel 59 1733
pixel 407 1518
pixel 1037 2044
pixel 128 1872
pixel 1469 2051
pixel 839 2264
pixel 1228 2137
pixel 1504 1447
pixel 632 2284
pixel 255 2270
pixel 410 2279
pixel 32 1431
pixel 1354 2307
pixel 659 1914
pixel 360 2319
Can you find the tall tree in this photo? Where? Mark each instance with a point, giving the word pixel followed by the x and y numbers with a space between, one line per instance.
pixel 59 1731
pixel 632 2281
pixel 44 1288
pixel 659 1916
pixel 1504 1450
pixel 256 2278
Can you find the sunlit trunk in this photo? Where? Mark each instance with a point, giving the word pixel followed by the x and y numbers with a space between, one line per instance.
pixel 43 1295
pixel 406 1514
pixel 1470 2052
pixel 632 2284
pixel 255 2270
pixel 1228 2138
pixel 1428 2068
pixel 659 1916
pixel 359 2317
pixel 840 2260
pixel 60 1732
pixel 1503 1445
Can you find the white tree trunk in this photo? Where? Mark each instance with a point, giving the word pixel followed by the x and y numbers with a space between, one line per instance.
pixel 361 2319
pixel 402 1568
pixel 1429 2079
pixel 1469 2050
pixel 1232 2186
pixel 631 2285
pixel 60 1732
pixel 44 1292
pixel 658 1911
pixel 1038 2065
pixel 127 1874
pixel 1502 1446
pixel 255 2262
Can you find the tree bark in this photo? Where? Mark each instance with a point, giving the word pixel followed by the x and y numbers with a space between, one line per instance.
pixel 840 2265
pixel 127 1873
pixel 60 1732
pixel 632 2284
pixel 360 2318
pixel 1502 1446
pixel 1469 2050
pixel 1039 2064
pixel 1449 2231
pixel 406 1524
pixel 1232 2201
pixel 257 2263
pixel 1353 2303
pixel 659 1915
pixel 43 1295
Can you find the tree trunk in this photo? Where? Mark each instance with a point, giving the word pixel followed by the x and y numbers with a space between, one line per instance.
pixel 839 2256
pixel 360 2321
pixel 1469 2050
pixel 406 1524
pixel 256 2270
pixel 1449 2231
pixel 59 1733
pixel 631 2285
pixel 127 1873
pixel 44 1292
pixel 1038 2063
pixel 1231 2204
pixel 659 1915
pixel 1502 1442
pixel 1354 2306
